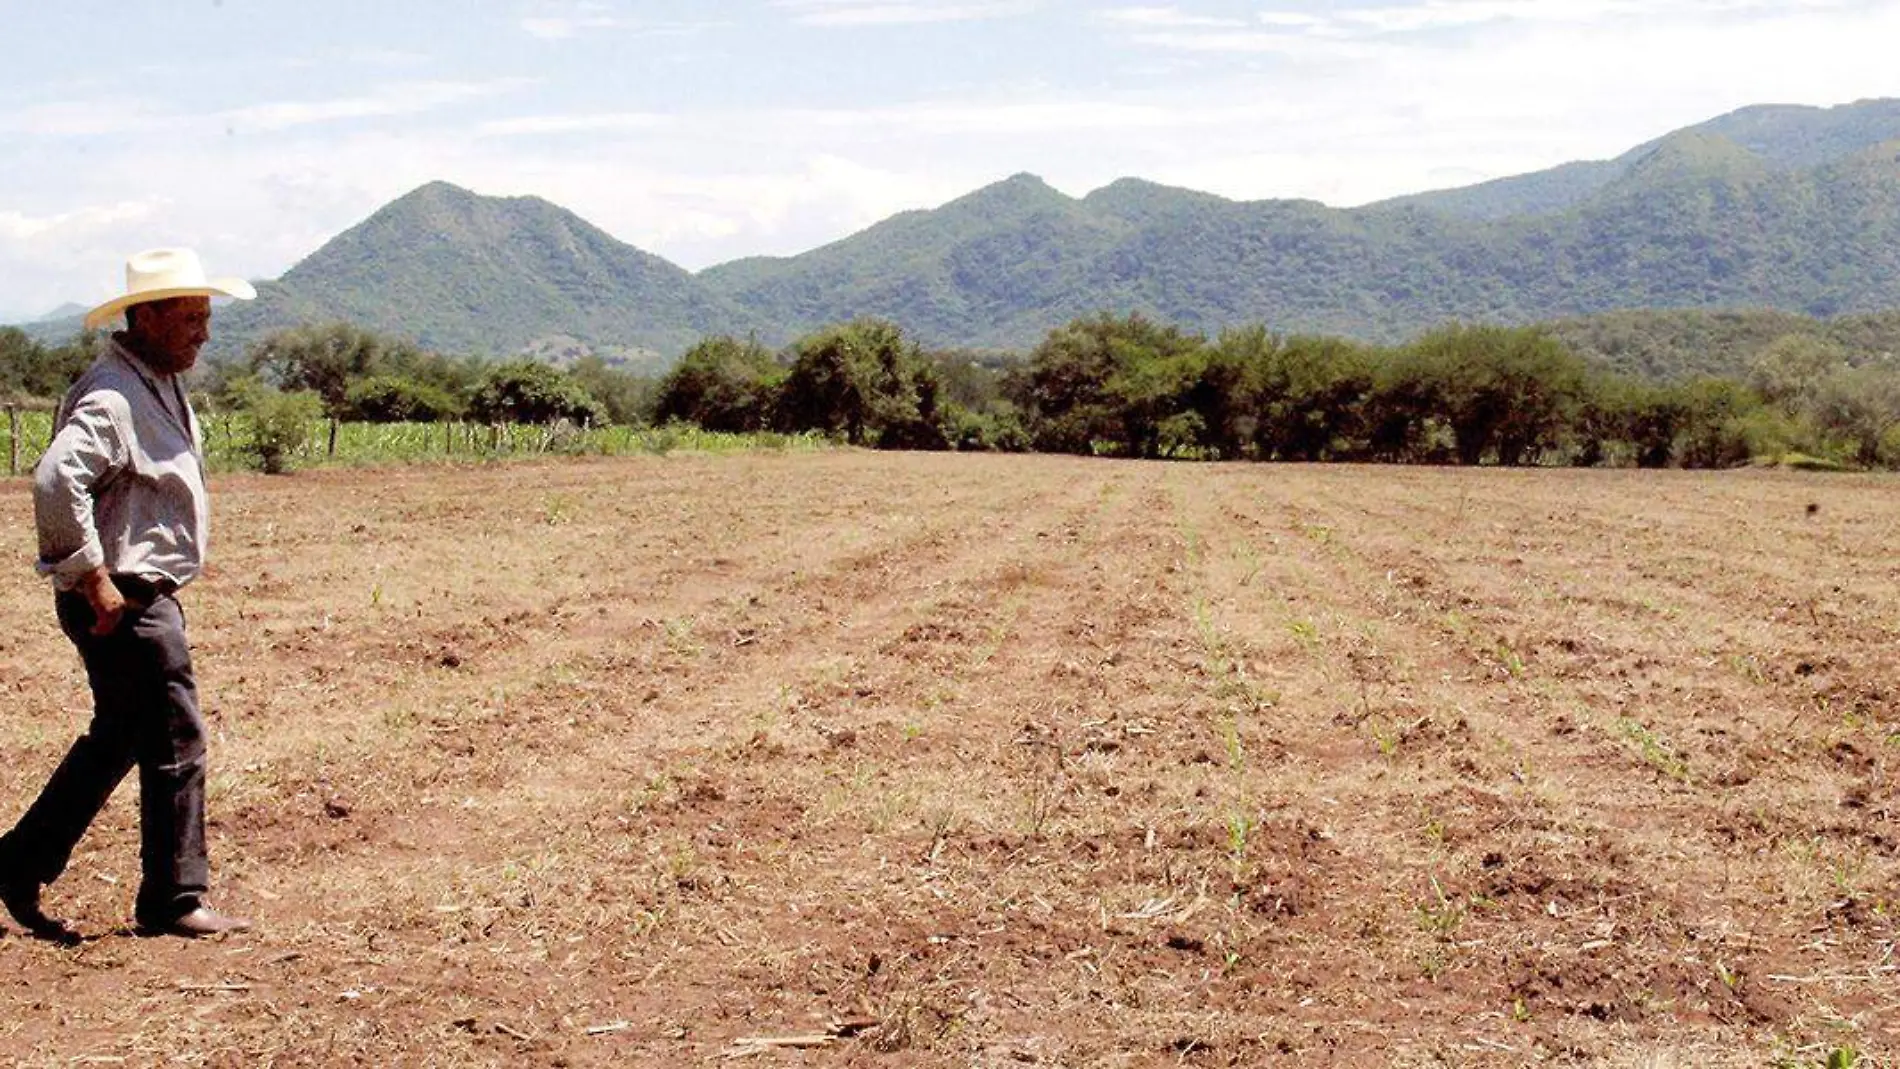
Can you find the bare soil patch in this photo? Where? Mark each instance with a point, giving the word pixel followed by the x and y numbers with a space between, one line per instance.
pixel 874 759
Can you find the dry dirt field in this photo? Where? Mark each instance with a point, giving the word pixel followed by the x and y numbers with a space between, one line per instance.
pixel 908 760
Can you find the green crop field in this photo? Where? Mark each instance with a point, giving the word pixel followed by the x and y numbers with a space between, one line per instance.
pixel 229 439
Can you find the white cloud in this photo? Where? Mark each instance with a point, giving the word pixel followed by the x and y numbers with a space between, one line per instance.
pixel 386 57
pixel 560 29
pixel 1162 18
pixel 980 120
pixel 697 195
pixel 1363 33
pixel 404 98
pixel 561 22
pixel 115 117
pixel 1430 112
pixel 1310 100
pixel 88 118
pixel 1295 19
pixel 558 22
pixel 786 208
pixel 1448 14
pixel 77 255
pixel 602 123
pixel 20 227
pixel 899 12
pixel 1315 45
pixel 989 119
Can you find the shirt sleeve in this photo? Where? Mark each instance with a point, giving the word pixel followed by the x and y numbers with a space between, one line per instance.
pixel 88 451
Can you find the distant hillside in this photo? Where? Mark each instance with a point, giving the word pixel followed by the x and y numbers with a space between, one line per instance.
pixel 471 274
pixel 968 273
pixel 64 313
pixel 1792 210
pixel 1696 221
pixel 1677 345
pixel 1779 135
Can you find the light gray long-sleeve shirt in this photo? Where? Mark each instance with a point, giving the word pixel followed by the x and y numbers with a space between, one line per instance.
pixel 123 483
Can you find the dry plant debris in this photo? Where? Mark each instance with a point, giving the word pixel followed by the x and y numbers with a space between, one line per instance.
pixel 896 759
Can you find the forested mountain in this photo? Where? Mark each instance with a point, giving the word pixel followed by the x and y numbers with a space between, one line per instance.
pixel 1685 344
pixel 62 314
pixel 1779 135
pixel 1795 210
pixel 985 269
pixel 471 274
pixel 1696 221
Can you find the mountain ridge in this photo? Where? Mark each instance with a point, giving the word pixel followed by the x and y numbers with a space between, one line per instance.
pixel 1779 207
pixel 438 258
pixel 1783 135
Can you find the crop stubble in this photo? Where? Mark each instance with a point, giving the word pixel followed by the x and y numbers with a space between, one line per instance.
pixel 991 760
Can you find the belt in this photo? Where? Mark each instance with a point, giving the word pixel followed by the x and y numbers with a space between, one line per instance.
pixel 143 590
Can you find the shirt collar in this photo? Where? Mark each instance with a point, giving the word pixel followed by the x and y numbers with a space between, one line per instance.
pixel 164 388
pixel 125 353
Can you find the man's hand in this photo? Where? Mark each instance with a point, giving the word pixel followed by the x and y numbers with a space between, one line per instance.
pixel 106 601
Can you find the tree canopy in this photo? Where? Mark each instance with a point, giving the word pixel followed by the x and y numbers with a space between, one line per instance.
pixel 1116 385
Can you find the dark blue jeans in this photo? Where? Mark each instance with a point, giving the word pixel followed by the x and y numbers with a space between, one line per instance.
pixel 145 714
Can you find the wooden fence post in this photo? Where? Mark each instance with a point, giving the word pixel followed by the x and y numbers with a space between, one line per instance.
pixel 13 440
pixel 333 437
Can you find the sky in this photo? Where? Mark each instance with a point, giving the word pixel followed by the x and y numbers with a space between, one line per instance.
pixel 256 130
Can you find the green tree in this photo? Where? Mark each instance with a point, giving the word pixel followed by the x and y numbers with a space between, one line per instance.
pixel 1152 395
pixel 1219 401
pixel 325 359
pixel 1112 380
pixel 1791 369
pixel 19 355
pixel 1715 430
pixel 1656 416
pixel 1307 395
pixel 973 391
pixel 526 391
pixel 30 369
pixel 721 384
pixel 1401 409
pixel 1505 392
pixel 866 381
pixel 280 425
pixel 974 381
pixel 1625 420
pixel 998 429
pixel 394 399
pixel 626 397
pixel 1860 408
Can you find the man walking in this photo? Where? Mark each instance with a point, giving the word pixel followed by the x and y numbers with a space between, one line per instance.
pixel 119 500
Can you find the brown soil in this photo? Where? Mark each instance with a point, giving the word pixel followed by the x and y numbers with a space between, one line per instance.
pixel 951 760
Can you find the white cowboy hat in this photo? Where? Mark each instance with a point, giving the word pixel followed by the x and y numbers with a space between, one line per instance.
pixel 160 274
